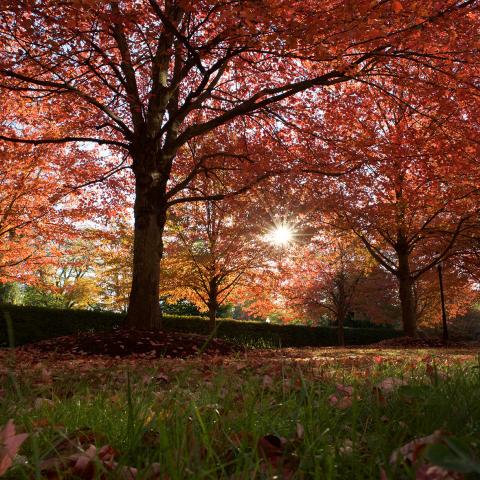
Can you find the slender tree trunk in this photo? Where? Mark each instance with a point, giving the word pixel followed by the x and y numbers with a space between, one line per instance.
pixel 340 327
pixel 442 299
pixel 212 315
pixel 150 218
pixel 407 301
pixel 340 301
pixel 212 305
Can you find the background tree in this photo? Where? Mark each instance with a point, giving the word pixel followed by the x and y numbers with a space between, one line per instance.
pixel 411 201
pixel 461 294
pixel 212 250
pixel 69 275
pixel 149 77
pixel 324 277
pixel 113 265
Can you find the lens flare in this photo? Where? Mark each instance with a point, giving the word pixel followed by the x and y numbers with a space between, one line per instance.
pixel 281 235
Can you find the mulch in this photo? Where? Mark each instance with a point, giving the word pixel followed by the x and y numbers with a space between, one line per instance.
pixel 124 342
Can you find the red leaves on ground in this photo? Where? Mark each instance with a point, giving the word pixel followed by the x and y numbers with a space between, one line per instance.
pixel 127 342
pixel 412 454
pixel 277 456
pixel 77 456
pixel 343 399
pixel 397 6
pixel 10 443
pixel 387 386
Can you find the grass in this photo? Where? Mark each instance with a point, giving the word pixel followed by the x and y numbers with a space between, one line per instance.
pixel 258 415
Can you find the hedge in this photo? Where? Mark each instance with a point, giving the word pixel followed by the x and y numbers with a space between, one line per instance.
pixel 32 324
pixel 276 335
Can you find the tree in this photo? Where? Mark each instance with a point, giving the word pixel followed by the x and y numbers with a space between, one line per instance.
pixel 113 264
pixel 28 195
pixel 213 248
pixel 148 78
pixel 323 278
pixel 37 206
pixel 68 276
pixel 411 201
pixel 90 269
pixel 461 294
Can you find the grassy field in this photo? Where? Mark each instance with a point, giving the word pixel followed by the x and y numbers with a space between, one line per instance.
pixel 293 413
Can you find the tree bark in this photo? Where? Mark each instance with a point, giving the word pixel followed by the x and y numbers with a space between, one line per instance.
pixel 150 218
pixel 339 298
pixel 340 328
pixel 212 305
pixel 212 315
pixel 407 302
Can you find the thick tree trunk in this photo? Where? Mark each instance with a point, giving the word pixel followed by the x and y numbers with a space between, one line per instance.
pixel 144 303
pixel 407 302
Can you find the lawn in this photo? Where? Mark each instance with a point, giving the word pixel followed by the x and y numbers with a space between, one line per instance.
pixel 268 414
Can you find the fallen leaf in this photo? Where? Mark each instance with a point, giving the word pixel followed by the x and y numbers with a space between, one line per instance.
pixel 271 446
pixel 413 452
pixel 300 431
pixel 346 448
pixel 347 390
pixel 433 472
pixel 42 402
pixel 387 387
pixel 10 443
pixel 267 381
pixel 397 6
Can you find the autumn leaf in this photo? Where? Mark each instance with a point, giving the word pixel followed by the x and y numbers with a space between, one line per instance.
pixel 412 450
pixel 300 431
pixel 343 398
pixel 346 448
pixel 273 449
pixel 42 402
pixel 341 403
pixel 389 385
pixel 397 6
pixel 453 454
pixel 416 454
pixel 10 443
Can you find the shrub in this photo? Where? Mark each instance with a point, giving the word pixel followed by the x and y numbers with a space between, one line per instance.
pixel 279 335
pixel 31 324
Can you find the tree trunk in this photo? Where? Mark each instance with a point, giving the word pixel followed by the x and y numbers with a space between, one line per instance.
pixel 144 303
pixel 212 315
pixel 339 298
pixel 212 304
pixel 340 328
pixel 407 302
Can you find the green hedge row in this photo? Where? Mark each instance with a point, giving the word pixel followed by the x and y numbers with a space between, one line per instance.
pixel 275 335
pixel 31 324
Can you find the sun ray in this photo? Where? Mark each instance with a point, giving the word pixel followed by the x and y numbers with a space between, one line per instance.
pixel 281 235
